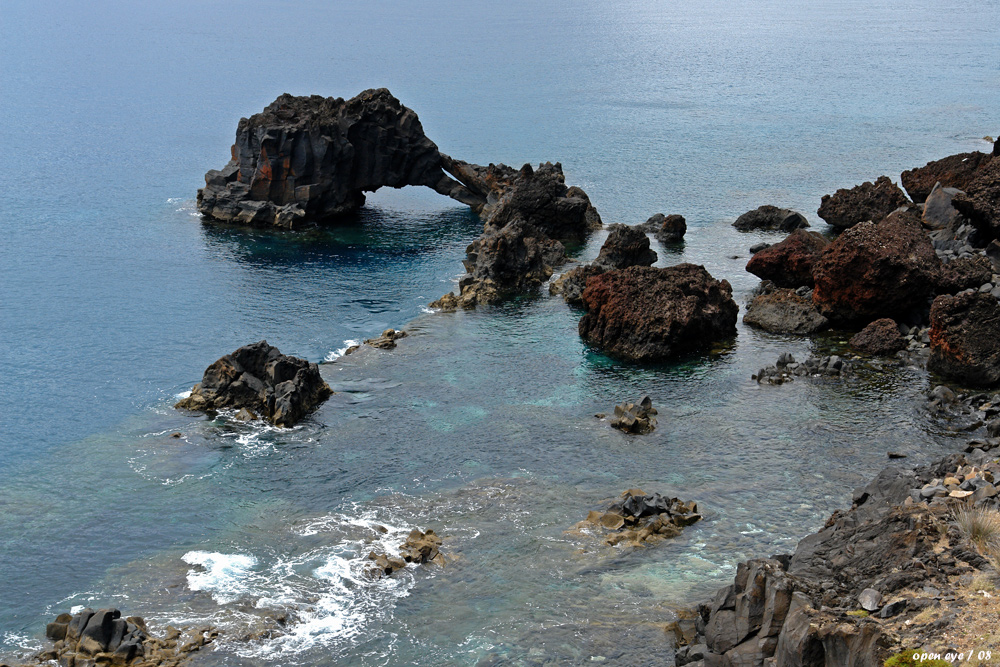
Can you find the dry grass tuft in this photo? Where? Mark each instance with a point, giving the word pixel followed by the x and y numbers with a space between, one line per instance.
pixel 981 526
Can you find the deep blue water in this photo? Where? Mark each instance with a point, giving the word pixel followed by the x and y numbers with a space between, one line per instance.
pixel 114 296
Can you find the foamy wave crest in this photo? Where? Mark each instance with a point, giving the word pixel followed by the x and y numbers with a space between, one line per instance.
pixel 225 576
pixel 338 353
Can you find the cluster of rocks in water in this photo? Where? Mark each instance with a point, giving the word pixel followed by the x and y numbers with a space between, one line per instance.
pixel 639 518
pixel 387 341
pixel 636 418
pixel 281 388
pixel 91 638
pixel 852 593
pixel 786 369
pixel 419 548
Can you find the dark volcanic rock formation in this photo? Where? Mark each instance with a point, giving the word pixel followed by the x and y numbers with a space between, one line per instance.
pixel 880 337
pixel 772 218
pixel 964 273
pixel 635 417
pixel 964 333
pixel 666 228
pixel 638 518
pixel 980 202
pixel 783 310
pixel 312 158
pixel 873 270
pixel 625 246
pixel 868 201
pixel 259 377
pixel 572 283
pixel 789 263
pixel 954 171
pixel 648 314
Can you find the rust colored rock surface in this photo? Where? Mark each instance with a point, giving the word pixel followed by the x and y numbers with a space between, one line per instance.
pixel 873 270
pixel 790 262
pixel 880 337
pixel 954 171
pixel 980 202
pixel 649 314
pixel 965 338
pixel 868 201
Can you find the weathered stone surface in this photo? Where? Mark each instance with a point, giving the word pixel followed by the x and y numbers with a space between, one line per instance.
pixel 572 283
pixel 938 211
pixel 880 337
pixel 965 338
pixel 771 218
pixel 649 314
pixel 873 270
pixel 666 228
pixel 954 171
pixel 387 341
pixel 625 246
pixel 965 273
pixel 635 417
pixel 980 202
pixel 258 377
pixel 782 310
pixel 638 519
pixel 865 202
pixel 790 262
pixel 312 158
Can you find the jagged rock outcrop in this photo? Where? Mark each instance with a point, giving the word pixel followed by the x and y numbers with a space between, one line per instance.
pixel 419 548
pixel 104 637
pixel 649 314
pixel 638 518
pixel 784 310
pixel 636 418
pixel 790 262
pixel 770 218
pixel 965 273
pixel 865 202
pixel 387 341
pixel 874 270
pixel 954 171
pixel 313 158
pixel 666 228
pixel 965 330
pixel 880 337
pixel 625 246
pixel 280 388
pixel 980 203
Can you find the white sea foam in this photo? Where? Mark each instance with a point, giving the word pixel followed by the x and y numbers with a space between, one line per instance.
pixel 225 576
pixel 425 309
pixel 184 394
pixel 338 353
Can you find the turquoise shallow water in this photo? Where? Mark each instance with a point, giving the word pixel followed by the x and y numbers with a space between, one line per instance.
pixel 114 297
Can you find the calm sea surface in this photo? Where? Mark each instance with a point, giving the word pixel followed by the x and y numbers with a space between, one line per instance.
pixel 114 296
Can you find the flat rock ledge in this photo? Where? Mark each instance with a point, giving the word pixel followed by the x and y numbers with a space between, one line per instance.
pixel 890 574
pixel 637 518
pixel 258 377
pixel 104 638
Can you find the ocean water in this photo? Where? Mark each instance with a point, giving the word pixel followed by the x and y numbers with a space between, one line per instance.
pixel 114 296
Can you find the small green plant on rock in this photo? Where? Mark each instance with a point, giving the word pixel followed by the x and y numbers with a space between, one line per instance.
pixel 915 658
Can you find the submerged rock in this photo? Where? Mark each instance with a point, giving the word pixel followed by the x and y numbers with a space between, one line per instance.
pixel 280 388
pixel 635 417
pixel 790 262
pixel 865 202
pixel 873 270
pixel 965 338
pixel 786 369
pixel 954 171
pixel 650 314
pixel 770 218
pixel 783 310
pixel 419 548
pixel 880 337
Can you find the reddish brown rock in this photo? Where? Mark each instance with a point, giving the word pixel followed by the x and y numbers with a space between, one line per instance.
pixel 790 262
pixel 868 201
pixel 649 314
pixel 873 270
pixel 954 171
pixel 965 272
pixel 880 337
pixel 965 338
pixel 980 202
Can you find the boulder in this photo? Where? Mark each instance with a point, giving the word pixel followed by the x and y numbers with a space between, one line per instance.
pixel 873 270
pixel 572 283
pixel 880 337
pixel 312 158
pixel 965 273
pixel 625 246
pixel 280 388
pixel 790 262
pixel 939 213
pixel 637 518
pixel 868 201
pixel 666 228
pixel 770 218
pixel 980 202
pixel 954 171
pixel 651 314
pixel 965 338
pixel 782 310
pixel 635 417
pixel 387 341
